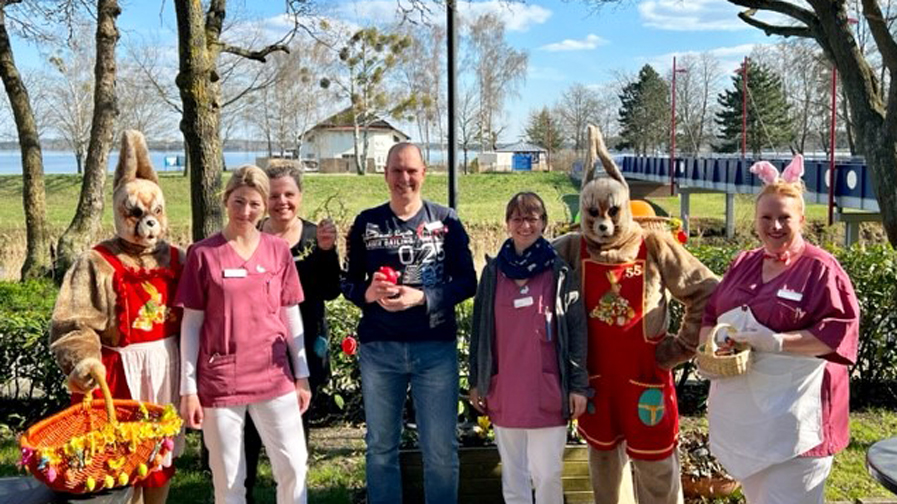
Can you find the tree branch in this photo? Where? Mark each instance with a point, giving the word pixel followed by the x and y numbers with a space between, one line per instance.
pixel 882 35
pixel 259 55
pixel 784 31
pixel 805 16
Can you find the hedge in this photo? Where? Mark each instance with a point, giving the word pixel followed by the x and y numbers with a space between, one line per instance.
pixel 28 372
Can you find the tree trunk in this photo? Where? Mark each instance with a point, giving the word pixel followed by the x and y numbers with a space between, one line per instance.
pixel 359 167
pixel 37 257
pixel 199 86
pixel 88 217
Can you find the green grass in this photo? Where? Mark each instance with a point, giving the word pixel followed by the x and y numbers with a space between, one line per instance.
pixel 481 197
pixel 336 473
pixel 336 468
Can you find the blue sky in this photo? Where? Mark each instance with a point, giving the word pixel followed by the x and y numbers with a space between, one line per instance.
pixel 567 41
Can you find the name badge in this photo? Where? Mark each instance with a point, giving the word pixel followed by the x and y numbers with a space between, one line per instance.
pixel 790 295
pixel 523 302
pixel 433 226
pixel 234 273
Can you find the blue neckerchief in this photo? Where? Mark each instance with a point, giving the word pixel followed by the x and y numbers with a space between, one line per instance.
pixel 534 260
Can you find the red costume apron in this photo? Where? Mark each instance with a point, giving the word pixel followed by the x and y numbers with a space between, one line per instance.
pixel 144 314
pixel 635 400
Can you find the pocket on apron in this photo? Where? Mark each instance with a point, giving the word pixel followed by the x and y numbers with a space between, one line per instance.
pixel 770 392
pixel 651 421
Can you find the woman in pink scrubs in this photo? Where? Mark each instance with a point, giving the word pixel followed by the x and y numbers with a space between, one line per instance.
pixel 527 355
pixel 242 345
pixel 777 427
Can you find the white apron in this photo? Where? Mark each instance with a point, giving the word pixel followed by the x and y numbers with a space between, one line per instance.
pixel 151 371
pixel 768 415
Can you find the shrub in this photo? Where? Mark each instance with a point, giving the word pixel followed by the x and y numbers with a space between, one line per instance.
pixel 28 372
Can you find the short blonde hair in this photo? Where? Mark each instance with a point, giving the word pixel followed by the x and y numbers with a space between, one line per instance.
pixel 783 189
pixel 248 176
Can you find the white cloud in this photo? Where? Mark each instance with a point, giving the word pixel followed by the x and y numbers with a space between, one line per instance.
pixel 698 15
pixel 591 41
pixel 518 17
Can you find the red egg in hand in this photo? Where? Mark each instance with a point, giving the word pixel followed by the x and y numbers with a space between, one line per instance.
pixel 682 236
pixel 349 345
pixel 392 276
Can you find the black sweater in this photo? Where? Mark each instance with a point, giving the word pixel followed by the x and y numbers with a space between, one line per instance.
pixel 430 250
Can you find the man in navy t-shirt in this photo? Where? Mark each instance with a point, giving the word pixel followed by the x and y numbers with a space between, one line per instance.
pixel 408 328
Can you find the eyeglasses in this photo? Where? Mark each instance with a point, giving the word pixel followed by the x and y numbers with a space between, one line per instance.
pixel 532 221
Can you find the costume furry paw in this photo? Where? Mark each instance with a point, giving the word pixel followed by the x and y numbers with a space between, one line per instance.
pixel 81 379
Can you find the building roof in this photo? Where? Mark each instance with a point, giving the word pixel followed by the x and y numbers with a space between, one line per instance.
pixel 342 120
pixel 520 147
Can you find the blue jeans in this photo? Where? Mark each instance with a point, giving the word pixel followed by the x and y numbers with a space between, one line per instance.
pixel 431 368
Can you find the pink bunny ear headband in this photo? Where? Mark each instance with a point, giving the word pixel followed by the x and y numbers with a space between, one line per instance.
pixel 768 173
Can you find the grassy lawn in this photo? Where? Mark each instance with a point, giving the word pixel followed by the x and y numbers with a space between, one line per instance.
pixel 481 197
pixel 336 469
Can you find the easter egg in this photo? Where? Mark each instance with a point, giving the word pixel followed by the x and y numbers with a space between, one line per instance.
pixel 51 475
pixel 142 470
pixel 90 484
pixel 109 481
pixel 123 479
pixel 168 444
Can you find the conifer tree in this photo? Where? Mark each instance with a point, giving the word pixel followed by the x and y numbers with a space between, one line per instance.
pixel 645 113
pixel 769 123
pixel 543 129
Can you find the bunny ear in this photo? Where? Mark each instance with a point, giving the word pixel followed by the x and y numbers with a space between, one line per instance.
pixel 766 171
pixel 795 170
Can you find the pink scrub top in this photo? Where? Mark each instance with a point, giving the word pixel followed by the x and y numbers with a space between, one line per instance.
pixel 814 294
pixel 243 352
pixel 526 391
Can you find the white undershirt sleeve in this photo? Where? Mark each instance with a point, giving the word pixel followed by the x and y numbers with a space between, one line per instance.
pixel 296 344
pixel 191 324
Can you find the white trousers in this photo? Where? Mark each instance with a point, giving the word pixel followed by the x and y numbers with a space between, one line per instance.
pixel 532 458
pixel 800 480
pixel 279 424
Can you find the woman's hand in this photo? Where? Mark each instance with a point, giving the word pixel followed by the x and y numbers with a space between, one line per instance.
pixel 760 338
pixel 303 392
pixel 477 401
pixel 191 411
pixel 326 234
pixel 577 405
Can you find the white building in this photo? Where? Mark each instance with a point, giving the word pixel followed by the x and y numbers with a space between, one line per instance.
pixel 331 146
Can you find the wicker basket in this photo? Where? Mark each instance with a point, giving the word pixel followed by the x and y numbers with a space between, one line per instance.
pixel 99 444
pixel 722 365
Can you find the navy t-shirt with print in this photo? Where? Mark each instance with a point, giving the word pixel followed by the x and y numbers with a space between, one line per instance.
pixel 430 250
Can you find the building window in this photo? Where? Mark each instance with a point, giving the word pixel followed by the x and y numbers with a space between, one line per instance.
pixel 396 139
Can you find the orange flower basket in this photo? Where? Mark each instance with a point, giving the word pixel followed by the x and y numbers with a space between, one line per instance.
pixel 99 444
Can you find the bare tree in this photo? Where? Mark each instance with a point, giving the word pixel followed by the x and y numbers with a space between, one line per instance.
pixel 72 93
pixel 578 107
pixel 872 104
pixel 498 69
pixel 38 262
pixel 199 81
pixel 696 88
pixel 293 102
pixel 422 73
pixel 468 116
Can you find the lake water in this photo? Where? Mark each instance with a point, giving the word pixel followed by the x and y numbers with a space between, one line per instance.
pixel 64 162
